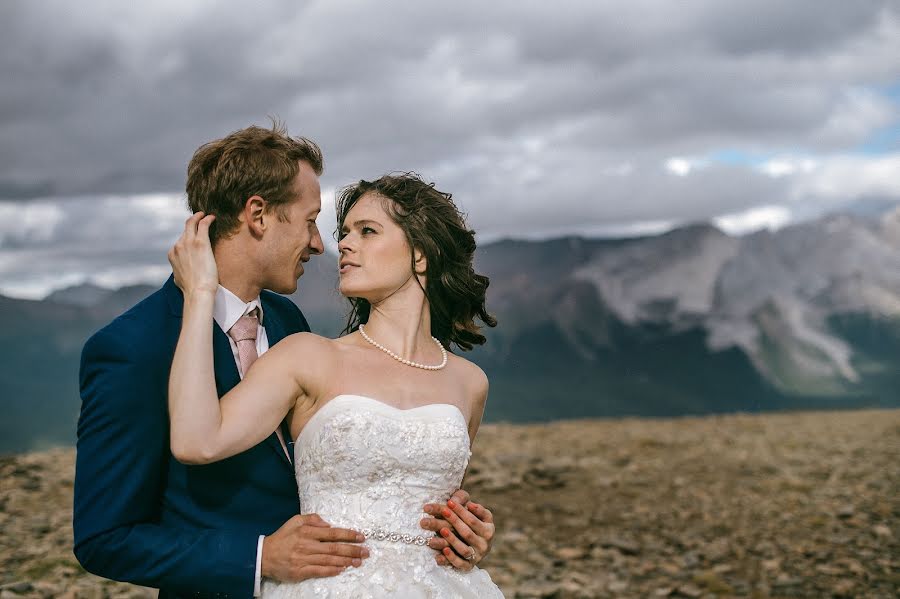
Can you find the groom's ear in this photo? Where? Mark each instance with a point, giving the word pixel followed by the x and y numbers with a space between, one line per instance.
pixel 254 214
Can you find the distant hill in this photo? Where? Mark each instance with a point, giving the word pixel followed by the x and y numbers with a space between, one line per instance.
pixel 690 322
pixel 100 298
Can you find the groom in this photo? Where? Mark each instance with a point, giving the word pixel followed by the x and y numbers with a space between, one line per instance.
pixel 215 530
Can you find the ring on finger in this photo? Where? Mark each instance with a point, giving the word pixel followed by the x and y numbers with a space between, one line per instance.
pixel 471 556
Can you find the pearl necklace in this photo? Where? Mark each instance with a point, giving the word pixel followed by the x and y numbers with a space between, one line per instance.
pixel 404 360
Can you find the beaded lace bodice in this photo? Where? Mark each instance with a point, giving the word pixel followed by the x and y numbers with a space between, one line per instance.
pixel 366 465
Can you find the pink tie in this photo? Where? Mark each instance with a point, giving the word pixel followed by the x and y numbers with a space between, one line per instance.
pixel 244 335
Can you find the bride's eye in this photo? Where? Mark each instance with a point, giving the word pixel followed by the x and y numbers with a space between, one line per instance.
pixel 366 230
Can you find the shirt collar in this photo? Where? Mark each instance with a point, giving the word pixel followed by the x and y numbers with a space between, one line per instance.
pixel 228 308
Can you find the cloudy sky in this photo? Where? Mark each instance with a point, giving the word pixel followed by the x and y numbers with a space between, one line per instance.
pixel 543 119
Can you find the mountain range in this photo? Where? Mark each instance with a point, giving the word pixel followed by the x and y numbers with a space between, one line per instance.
pixel 693 321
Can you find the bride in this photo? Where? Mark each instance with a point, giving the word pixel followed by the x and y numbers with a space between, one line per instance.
pixel 384 416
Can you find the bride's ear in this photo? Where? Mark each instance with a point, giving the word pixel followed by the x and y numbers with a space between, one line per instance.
pixel 420 262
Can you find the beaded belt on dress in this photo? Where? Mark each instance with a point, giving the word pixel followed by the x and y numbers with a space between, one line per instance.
pixel 379 534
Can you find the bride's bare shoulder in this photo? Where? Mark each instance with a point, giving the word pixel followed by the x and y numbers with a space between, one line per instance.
pixel 312 340
pixel 313 347
pixel 472 375
pixel 308 357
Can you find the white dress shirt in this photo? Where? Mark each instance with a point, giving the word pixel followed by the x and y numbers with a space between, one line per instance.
pixel 228 308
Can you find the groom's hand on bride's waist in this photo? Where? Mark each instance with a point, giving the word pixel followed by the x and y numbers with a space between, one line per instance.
pixel 464 531
pixel 308 547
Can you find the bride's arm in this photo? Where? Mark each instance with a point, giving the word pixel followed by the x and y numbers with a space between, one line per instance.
pixel 204 428
pixel 479 399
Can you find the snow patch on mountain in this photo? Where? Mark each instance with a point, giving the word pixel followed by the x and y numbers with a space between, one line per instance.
pixel 770 293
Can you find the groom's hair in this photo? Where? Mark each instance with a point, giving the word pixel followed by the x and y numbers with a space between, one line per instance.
pixel 223 174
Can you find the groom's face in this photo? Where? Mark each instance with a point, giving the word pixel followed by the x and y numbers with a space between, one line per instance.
pixel 290 242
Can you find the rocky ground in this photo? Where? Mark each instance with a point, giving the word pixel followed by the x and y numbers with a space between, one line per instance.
pixel 774 505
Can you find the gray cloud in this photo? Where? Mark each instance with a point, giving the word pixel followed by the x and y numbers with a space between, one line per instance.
pixel 513 106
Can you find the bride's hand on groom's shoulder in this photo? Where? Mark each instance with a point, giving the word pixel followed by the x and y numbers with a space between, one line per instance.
pixel 192 259
pixel 464 531
pixel 308 547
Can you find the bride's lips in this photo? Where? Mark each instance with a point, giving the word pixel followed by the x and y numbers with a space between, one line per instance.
pixel 346 266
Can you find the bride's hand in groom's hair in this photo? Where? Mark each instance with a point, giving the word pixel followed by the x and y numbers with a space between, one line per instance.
pixel 462 527
pixel 308 547
pixel 192 259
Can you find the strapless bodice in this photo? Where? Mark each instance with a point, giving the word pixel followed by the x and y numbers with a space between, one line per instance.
pixel 362 463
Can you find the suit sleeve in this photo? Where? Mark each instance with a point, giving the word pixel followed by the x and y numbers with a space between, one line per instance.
pixel 122 456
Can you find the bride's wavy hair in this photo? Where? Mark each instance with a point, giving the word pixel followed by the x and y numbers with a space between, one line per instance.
pixel 435 226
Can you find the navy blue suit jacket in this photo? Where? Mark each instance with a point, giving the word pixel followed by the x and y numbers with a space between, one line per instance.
pixel 140 515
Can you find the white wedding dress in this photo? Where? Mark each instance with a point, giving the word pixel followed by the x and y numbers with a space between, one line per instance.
pixel 365 465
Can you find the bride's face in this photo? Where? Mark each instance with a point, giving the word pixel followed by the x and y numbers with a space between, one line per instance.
pixel 375 257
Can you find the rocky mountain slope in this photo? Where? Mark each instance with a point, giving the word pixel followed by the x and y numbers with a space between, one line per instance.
pixel 695 321
pixel 770 295
pixel 766 505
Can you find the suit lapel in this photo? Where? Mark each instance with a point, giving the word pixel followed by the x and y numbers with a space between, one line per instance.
pixel 274 327
pixel 227 375
pixel 275 332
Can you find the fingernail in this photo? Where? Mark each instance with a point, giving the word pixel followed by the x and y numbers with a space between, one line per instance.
pixel 365 552
pixel 445 532
pixel 451 505
pixel 360 538
pixel 446 512
pixel 446 551
pixel 473 506
pixel 357 563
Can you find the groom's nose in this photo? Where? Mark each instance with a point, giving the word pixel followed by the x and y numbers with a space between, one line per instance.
pixel 315 243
